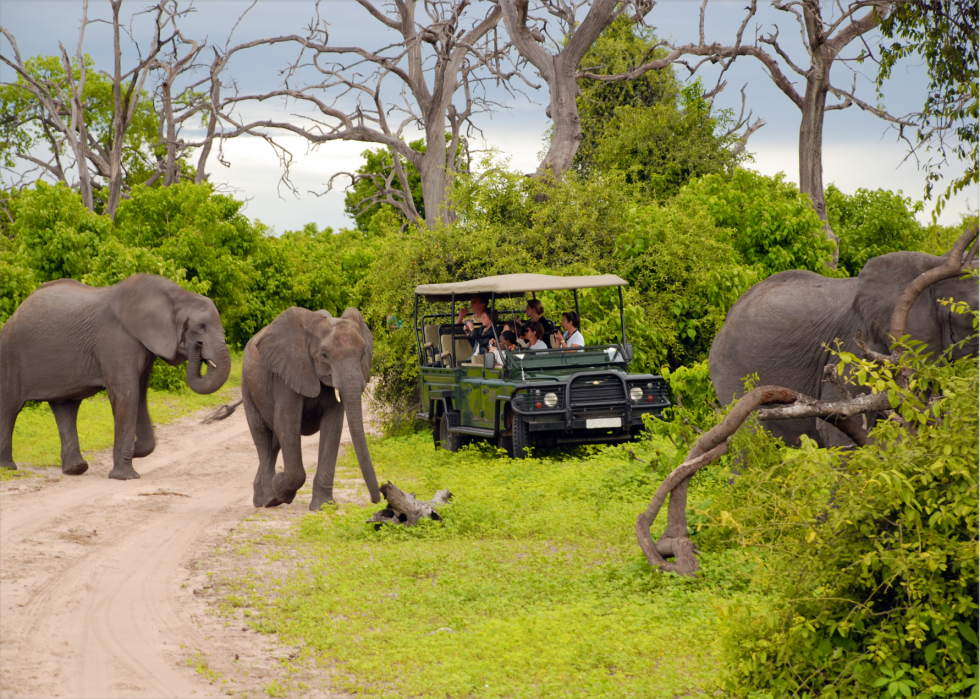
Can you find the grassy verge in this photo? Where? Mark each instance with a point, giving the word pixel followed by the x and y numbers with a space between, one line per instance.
pixel 36 439
pixel 533 586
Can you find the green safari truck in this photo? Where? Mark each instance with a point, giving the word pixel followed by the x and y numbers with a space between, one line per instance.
pixel 525 398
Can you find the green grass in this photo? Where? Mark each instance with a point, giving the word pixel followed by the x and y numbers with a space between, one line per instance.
pixel 533 586
pixel 36 439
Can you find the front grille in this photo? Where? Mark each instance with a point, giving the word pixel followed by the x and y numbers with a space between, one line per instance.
pixel 597 391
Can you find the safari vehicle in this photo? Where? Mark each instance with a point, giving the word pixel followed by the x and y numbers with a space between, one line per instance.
pixel 538 397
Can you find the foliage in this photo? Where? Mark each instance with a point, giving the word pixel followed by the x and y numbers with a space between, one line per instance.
pixel 621 46
pixel 25 131
pixel 871 224
pixel 661 148
pixel 530 587
pixel 868 559
pixel 773 223
pixel 378 164
pixel 944 33
pixel 190 235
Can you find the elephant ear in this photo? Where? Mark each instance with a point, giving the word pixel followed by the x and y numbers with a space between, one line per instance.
pixel 881 282
pixel 366 358
pixel 285 348
pixel 144 304
pixel 325 314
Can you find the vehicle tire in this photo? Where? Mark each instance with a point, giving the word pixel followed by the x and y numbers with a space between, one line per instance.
pixel 450 441
pixel 521 438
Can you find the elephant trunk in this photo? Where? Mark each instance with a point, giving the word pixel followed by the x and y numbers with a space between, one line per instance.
pixel 350 394
pixel 219 366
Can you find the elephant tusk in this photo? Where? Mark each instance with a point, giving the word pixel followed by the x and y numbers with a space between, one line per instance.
pixel 211 364
pixel 337 394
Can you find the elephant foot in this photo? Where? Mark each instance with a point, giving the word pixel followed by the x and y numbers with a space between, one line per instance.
pixel 320 500
pixel 123 474
pixel 75 469
pixel 9 465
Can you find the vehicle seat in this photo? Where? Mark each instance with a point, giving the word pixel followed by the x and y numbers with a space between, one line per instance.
pixel 445 357
pixel 430 336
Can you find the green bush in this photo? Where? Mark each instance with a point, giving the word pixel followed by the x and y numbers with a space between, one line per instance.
pixel 867 559
pixel 871 223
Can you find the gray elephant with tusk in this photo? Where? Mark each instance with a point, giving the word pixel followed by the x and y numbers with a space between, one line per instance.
pixel 779 327
pixel 301 373
pixel 68 341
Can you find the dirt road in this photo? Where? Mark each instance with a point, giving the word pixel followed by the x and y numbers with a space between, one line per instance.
pixel 100 580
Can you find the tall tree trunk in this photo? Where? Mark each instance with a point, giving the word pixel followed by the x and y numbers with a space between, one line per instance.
pixel 563 111
pixel 433 171
pixel 811 151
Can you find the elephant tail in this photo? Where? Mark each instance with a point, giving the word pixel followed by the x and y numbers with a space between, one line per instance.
pixel 221 412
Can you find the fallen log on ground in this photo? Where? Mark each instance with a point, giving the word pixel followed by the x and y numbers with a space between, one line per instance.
pixel 404 509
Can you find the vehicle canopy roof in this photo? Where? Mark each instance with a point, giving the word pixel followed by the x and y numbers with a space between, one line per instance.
pixel 510 285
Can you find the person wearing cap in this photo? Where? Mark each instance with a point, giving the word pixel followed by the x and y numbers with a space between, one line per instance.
pixel 532 335
pixel 535 311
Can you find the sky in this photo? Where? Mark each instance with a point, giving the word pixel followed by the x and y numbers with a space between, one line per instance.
pixel 860 150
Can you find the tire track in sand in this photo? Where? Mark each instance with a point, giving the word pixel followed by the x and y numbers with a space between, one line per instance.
pixel 91 596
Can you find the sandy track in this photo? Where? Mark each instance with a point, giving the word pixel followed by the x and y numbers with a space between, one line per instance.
pixel 97 577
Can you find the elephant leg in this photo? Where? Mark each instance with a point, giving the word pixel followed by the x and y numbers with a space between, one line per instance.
pixel 9 410
pixel 285 484
pixel 146 442
pixel 66 415
pixel 125 404
pixel 331 427
pixel 267 446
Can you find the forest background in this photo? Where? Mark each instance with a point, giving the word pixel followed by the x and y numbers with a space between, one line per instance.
pixel 658 189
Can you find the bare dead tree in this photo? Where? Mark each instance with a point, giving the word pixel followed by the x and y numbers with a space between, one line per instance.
pixel 57 109
pixel 442 54
pixel 555 42
pixel 841 414
pixel 824 39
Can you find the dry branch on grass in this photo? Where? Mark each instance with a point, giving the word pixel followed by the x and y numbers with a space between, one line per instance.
pixel 404 509
pixel 780 403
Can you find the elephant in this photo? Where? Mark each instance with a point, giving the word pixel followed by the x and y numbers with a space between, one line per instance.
pixel 67 341
pixel 777 329
pixel 300 374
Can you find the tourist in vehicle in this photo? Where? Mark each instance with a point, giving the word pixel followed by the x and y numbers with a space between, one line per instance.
pixel 535 312
pixel 533 332
pixel 482 335
pixel 476 306
pixel 468 327
pixel 508 341
pixel 571 338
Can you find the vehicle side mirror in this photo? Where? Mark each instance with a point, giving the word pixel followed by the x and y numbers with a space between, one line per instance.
pixel 628 346
pixel 489 360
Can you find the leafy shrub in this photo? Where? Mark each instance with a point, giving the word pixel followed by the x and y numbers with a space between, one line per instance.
pixel 771 221
pixel 868 557
pixel 871 223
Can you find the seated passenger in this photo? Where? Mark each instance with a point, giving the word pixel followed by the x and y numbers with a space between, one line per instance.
pixel 508 341
pixel 482 335
pixel 572 337
pixel 476 306
pixel 532 335
pixel 535 311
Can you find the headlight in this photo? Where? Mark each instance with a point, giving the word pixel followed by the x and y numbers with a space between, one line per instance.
pixel 550 399
pixel 636 393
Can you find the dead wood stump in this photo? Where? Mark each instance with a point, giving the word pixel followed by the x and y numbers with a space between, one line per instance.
pixel 404 509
